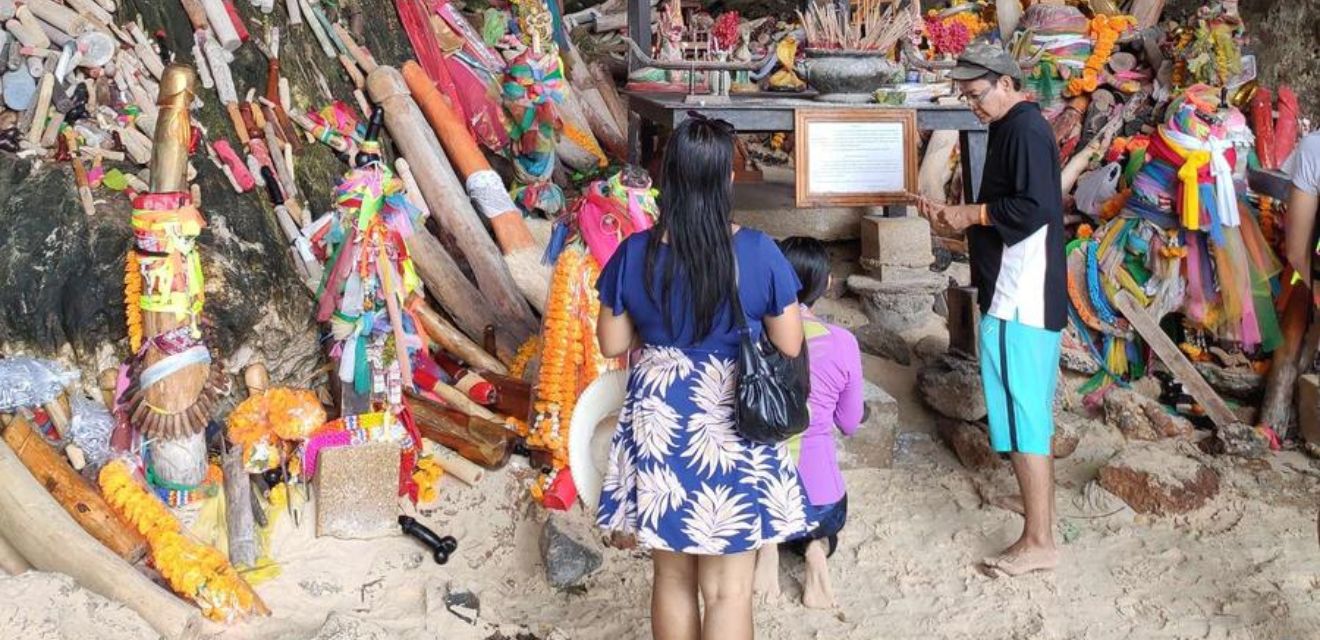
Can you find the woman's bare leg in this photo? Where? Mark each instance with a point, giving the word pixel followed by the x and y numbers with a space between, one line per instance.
pixel 726 589
pixel 674 612
pixel 767 571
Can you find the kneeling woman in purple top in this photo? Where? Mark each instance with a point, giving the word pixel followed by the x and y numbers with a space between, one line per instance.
pixel 836 403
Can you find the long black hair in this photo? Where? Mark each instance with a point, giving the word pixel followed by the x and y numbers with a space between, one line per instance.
pixel 811 261
pixel 696 199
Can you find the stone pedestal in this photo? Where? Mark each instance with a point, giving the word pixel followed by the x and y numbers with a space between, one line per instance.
pixel 896 242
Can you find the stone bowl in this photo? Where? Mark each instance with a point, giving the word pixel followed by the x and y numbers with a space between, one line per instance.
pixel 848 76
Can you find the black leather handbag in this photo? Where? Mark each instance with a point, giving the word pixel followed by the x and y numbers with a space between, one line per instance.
pixel 771 399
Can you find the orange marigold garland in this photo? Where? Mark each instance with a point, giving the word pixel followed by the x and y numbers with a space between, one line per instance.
pixel 523 358
pixel 193 570
pixel 1105 30
pixel 132 293
pixel 1268 221
pixel 570 356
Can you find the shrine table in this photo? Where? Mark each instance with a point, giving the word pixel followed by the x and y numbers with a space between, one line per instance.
pixel 764 112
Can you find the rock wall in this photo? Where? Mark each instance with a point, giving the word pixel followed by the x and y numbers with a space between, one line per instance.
pixel 1286 40
pixel 61 273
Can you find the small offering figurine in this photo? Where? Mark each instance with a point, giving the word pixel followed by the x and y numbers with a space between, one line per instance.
pixel 670 30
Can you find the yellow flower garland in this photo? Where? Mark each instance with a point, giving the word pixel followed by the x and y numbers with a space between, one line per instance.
pixel 195 571
pixel 427 474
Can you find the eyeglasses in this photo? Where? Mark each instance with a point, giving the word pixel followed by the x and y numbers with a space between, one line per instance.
pixel 976 100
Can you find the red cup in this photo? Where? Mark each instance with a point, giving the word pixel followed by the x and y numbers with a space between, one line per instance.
pixel 562 492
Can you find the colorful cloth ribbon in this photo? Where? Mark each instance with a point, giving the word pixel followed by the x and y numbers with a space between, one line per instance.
pixel 165 230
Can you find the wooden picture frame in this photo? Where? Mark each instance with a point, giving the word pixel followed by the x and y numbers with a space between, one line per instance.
pixel 871 131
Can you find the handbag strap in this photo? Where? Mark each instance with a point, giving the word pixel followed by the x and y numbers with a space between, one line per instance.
pixel 740 318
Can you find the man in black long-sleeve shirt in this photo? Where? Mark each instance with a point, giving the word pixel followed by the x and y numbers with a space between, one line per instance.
pixel 1015 238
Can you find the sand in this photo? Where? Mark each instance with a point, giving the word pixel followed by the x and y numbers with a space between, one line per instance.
pixel 1244 566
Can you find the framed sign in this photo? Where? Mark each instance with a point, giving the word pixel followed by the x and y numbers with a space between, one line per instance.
pixel 855 157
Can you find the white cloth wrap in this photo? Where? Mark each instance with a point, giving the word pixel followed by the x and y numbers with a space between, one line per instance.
pixel 487 192
pixel 1225 192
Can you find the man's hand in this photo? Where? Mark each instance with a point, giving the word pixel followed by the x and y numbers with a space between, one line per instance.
pixel 947 220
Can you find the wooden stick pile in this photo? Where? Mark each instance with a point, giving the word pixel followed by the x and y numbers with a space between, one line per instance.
pixel 869 27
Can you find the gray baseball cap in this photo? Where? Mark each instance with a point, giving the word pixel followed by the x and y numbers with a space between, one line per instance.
pixel 981 58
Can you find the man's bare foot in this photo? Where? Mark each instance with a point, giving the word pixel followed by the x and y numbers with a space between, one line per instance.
pixel 1022 559
pixel 817 593
pixel 766 580
pixel 1012 503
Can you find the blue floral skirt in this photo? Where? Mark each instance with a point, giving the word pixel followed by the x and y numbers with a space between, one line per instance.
pixel 681 478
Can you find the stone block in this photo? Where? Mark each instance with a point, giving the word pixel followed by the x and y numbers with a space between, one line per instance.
pixel 901 241
pixel 911 345
pixel 771 207
pixel 1159 480
pixel 357 491
pixel 872 447
pixel 567 560
pixel 969 441
pixel 1066 436
pixel 1234 382
pixel 951 386
pixel 1140 418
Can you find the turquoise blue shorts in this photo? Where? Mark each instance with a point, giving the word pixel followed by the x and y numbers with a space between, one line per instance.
pixel 1019 372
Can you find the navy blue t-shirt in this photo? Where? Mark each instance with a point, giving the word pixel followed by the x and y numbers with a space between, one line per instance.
pixel 767 285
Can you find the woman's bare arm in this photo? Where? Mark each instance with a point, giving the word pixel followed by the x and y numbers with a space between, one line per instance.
pixel 785 330
pixel 1301 225
pixel 615 333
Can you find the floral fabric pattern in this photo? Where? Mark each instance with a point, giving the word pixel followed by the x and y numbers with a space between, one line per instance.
pixel 680 477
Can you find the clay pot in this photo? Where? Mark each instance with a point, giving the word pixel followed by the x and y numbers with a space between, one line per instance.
pixel 848 76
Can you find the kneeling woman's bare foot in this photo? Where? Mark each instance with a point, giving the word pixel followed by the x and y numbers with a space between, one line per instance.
pixel 766 580
pixel 1022 559
pixel 817 593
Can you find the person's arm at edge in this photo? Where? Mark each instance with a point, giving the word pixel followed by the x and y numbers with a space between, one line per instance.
pixel 849 409
pixel 785 330
pixel 1301 225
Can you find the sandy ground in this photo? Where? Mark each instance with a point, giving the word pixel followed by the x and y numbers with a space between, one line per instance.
pixel 1244 566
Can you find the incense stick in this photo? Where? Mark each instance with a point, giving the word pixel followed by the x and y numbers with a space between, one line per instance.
pixel 869 29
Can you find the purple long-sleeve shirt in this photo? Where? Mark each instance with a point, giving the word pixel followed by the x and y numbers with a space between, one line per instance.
pixel 836 402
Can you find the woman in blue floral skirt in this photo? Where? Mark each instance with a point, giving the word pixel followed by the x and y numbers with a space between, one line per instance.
pixel 681 481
